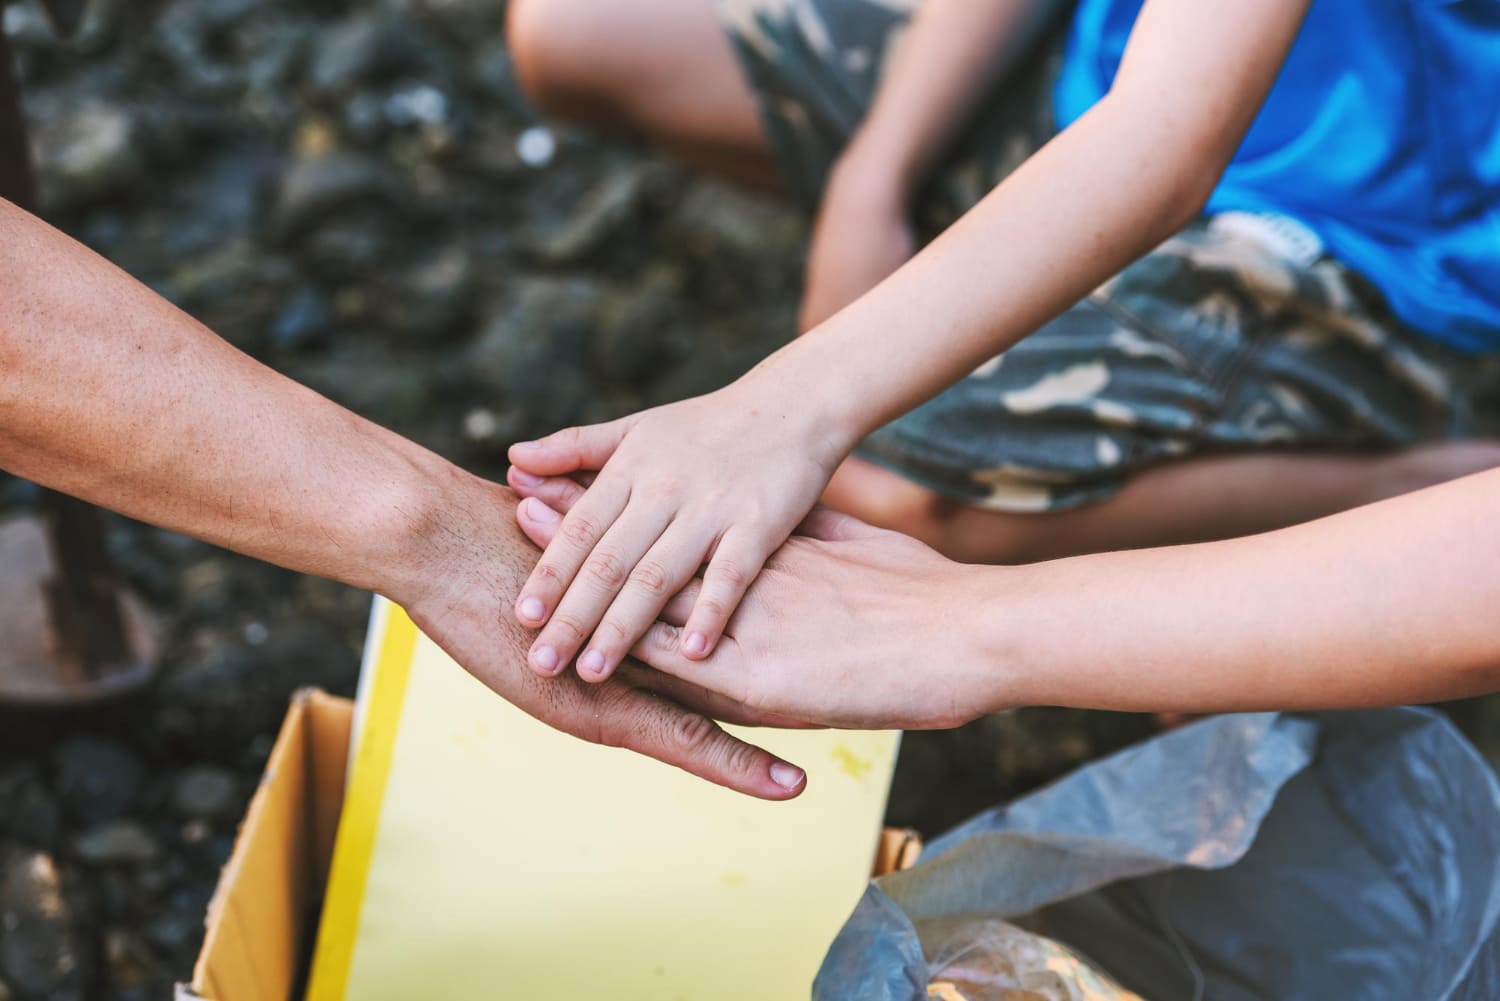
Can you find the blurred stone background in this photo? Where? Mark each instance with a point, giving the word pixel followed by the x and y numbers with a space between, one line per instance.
pixel 355 193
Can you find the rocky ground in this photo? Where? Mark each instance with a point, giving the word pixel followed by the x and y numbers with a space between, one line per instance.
pixel 355 193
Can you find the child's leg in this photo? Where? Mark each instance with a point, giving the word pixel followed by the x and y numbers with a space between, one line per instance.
pixel 1216 387
pixel 660 70
pixel 1195 500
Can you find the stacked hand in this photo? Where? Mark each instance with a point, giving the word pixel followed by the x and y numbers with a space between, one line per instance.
pixel 847 626
pixel 717 481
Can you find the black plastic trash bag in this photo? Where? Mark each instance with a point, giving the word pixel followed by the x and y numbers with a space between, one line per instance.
pixel 1255 857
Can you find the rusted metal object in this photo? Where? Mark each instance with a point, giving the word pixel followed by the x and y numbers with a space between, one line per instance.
pixel 69 629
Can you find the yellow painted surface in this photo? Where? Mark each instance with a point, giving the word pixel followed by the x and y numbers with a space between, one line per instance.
pixel 508 860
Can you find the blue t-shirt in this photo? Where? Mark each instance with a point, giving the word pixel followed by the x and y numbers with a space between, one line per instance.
pixel 1381 135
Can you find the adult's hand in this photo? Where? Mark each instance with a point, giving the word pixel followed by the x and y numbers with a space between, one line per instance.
pixel 478 565
pixel 848 625
pixel 110 393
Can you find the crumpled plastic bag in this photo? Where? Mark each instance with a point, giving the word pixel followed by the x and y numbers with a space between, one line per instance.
pixel 1258 857
pixel 993 960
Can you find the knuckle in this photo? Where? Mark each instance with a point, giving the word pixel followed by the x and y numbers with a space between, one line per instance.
pixel 580 530
pixel 714 608
pixel 568 627
pixel 607 570
pixel 730 574
pixel 612 634
pixel 739 758
pixel 665 638
pixel 692 732
pixel 651 577
pixel 548 574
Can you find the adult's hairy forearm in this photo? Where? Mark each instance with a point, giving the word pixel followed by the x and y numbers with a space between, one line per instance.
pixel 1386 604
pixel 110 393
pixel 945 65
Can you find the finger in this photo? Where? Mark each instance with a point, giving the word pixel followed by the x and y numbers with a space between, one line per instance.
pixel 828 525
pixel 701 700
pixel 664 569
pixel 734 565
pixel 563 556
pixel 558 492
pixel 723 674
pixel 681 606
pixel 570 449
pixel 651 725
pixel 539 523
pixel 603 575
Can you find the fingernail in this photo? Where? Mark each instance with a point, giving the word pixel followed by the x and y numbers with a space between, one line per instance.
pixel 695 643
pixel 545 657
pixel 532 610
pixel 524 478
pixel 592 662
pixel 787 776
pixel 537 511
pixel 528 444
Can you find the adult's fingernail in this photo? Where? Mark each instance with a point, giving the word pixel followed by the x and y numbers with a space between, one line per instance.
pixel 532 609
pixel 695 643
pixel 592 662
pixel 524 478
pixel 545 657
pixel 528 444
pixel 787 776
pixel 537 511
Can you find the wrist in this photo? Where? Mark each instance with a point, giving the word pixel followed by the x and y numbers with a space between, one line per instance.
pixel 797 384
pixel 413 535
pixel 998 617
pixel 869 173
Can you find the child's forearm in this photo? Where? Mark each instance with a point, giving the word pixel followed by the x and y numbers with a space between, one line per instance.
pixel 1387 604
pixel 944 67
pixel 1125 176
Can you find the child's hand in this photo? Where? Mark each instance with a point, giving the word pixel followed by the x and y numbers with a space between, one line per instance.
pixel 720 479
pixel 847 626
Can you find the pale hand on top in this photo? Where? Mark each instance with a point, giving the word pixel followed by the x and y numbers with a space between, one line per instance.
pixel 719 480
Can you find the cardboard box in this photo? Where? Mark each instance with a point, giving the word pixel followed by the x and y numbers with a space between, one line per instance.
pixel 260 924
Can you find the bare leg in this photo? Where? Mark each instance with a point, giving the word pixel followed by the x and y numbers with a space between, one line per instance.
pixel 661 70
pixel 1189 501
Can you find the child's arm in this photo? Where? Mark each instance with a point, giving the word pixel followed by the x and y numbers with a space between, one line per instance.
pixel 943 68
pixel 724 478
pixel 853 626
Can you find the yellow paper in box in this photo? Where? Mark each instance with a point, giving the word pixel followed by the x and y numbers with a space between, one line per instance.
pixel 484 855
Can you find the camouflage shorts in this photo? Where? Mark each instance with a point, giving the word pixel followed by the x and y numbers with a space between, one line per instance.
pixel 1231 335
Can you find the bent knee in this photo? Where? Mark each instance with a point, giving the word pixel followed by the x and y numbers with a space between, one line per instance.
pixel 553 46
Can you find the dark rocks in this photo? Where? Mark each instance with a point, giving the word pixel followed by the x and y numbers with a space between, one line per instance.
pixel 317 187
pixel 368 47
pixel 635 322
pixel 86 152
pixel 433 297
pixel 607 207
pixel 29 813
pixel 40 954
pixel 205 791
pixel 119 842
pixel 302 321
pixel 533 349
pixel 98 779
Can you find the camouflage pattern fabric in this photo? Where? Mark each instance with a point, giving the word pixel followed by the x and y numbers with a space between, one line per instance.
pixel 1228 336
